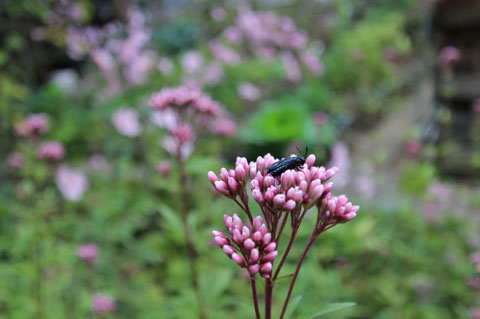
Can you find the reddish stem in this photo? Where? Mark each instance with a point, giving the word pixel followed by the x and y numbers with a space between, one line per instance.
pixel 268 298
pixel 255 298
pixel 297 270
pixel 285 254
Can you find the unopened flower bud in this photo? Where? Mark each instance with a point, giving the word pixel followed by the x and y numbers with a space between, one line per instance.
pixel 254 269
pixel 271 247
pixel 227 249
pixel 266 268
pixel 249 244
pixel 270 256
pixel 239 260
pixel 254 256
pixel 290 205
pixel 212 177
pixel 310 160
pixel 267 238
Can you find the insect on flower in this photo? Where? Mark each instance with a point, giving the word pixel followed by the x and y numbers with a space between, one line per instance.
pixel 277 168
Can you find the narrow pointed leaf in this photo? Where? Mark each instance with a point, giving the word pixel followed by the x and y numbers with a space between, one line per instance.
pixel 333 307
pixel 283 277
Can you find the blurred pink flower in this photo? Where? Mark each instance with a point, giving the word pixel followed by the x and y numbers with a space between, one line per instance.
pixel 233 34
pixel 475 313
pixel 213 73
pixel 102 304
pixel 33 125
pixel 248 91
pixel 126 122
pixel 172 146
pixel 224 126
pixel 341 159
pixel 320 118
pixel 51 150
pixel 414 148
pixel 103 59
pixel 15 160
pixel 218 13
pixel 292 69
pixel 165 66
pixel 223 53
pixel 192 62
pixel 139 68
pixel 88 252
pixel 99 163
pixel 448 56
pixel 72 183
pixel 312 62
pixel 474 282
pixel 164 168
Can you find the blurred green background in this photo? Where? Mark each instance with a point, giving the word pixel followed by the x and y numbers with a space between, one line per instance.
pixel 385 90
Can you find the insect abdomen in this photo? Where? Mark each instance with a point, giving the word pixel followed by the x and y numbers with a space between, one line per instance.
pixel 289 163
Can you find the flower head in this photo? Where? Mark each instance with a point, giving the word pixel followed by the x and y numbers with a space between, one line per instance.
pixel 72 183
pixel 15 160
pixel 250 247
pixel 88 253
pixel 33 125
pixel 126 122
pixel 449 55
pixel 102 303
pixel 52 150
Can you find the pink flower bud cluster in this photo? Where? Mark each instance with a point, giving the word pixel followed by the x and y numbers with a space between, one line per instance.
pixel 88 253
pixel 448 56
pixel 184 110
pixel 15 160
pixel 250 247
pixel 294 189
pixel 51 150
pixel 269 35
pixel 33 125
pixel 337 209
pixel 102 304
pixel 231 183
pixel 183 97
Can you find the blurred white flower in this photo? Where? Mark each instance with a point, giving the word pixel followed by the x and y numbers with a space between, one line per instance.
pixel 72 183
pixel 126 122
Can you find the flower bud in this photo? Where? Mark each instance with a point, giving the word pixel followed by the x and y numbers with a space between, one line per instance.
pixel 212 177
pixel 290 205
pixel 221 241
pixel 232 184
pixel 271 247
pixel 257 236
pixel 254 256
pixel 224 174
pixel 227 249
pixel 249 244
pixel 267 238
pixel 239 260
pixel 257 195
pixel 267 268
pixel 287 179
pixel 279 200
pixel 270 256
pixel 254 269
pixel 310 160
pixel 245 232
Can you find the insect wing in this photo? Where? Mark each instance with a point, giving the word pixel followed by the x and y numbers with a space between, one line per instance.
pixel 276 165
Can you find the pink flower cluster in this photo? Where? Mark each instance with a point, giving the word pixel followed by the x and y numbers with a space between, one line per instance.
pixel 33 125
pixel 102 304
pixel 448 56
pixel 184 111
pixel 126 122
pixel 15 160
pixel 72 183
pixel 268 35
pixel 249 247
pixel 113 54
pixel 51 150
pixel 88 253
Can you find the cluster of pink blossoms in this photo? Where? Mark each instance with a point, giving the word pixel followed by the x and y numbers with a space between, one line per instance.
pixel 288 196
pixel 51 150
pixel 183 111
pixel 250 247
pixel 268 35
pixel 294 191
pixel 33 125
pixel 102 303
pixel 88 253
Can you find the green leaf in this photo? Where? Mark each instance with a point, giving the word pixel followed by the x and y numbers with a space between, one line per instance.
pixel 172 222
pixel 293 305
pixel 329 308
pixel 283 277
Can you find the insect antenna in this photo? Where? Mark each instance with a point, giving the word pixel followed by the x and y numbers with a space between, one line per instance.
pixel 306 152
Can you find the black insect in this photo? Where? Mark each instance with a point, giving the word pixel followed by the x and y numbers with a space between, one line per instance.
pixel 277 168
